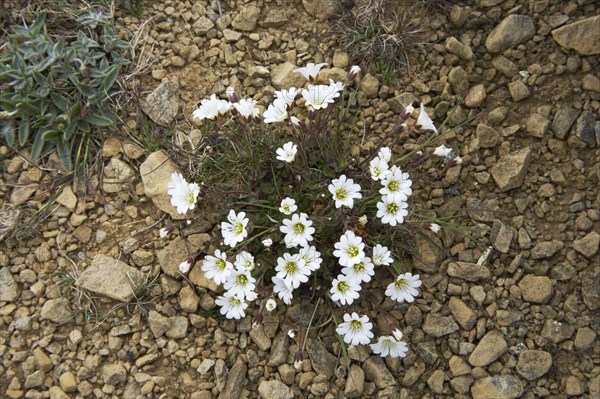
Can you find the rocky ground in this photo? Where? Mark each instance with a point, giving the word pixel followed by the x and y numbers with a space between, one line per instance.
pixel 523 75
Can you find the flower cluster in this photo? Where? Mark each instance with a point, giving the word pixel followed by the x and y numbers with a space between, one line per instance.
pixel 293 243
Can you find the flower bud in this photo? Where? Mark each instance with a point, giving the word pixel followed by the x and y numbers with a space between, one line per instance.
pixel 407 111
pixel 441 151
pixel 291 333
pixel 165 231
pixel 355 70
pixel 431 227
pixel 231 95
pixel 185 266
pixel 270 305
pixel 258 319
pixel 298 358
pixel 395 331
pixel 362 220
pixel 267 242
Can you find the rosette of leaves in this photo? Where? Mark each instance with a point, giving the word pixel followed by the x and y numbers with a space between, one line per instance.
pixel 54 92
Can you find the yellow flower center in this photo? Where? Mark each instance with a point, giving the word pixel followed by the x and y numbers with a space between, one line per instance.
pixel 242 279
pixel 238 228
pixel 221 264
pixel 393 186
pixel 392 208
pixel 341 194
pixel 356 325
pixel 291 267
pixel 400 283
pixel 353 251
pixel 190 198
pixel 299 228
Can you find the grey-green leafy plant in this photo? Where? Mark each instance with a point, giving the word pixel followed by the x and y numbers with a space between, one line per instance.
pixel 54 92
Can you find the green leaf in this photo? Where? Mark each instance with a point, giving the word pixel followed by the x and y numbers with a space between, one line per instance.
pixel 111 76
pixel 60 101
pixel 24 130
pixel 28 108
pixel 100 120
pixel 40 141
pixel 8 131
pixel 64 154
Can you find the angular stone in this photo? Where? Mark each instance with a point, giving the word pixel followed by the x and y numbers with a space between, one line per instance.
pixel 274 390
pixel 355 383
pixel 464 315
pixel 178 327
pixel 322 361
pixel 67 198
pixel 436 381
pixel 590 289
pixel 487 136
pixel 428 253
pixel 581 36
pixel 510 32
pixel 563 120
pixel 454 46
pixel 247 18
pixel 156 172
pixel 162 104
pixel 537 125
pixel 9 290
pixel 110 277
pixel 283 76
pixel 199 279
pixel 497 387
pixel 369 85
pixel 518 90
pixel 505 66
pixel 117 177
pixel 546 249
pixel 501 236
pixel 114 374
pixel 259 337
pixel 188 300
pixel 556 332
pixel 585 129
pixel 536 289
pixel 585 338
pixel 377 372
pixel 591 82
pixel 469 271
pixel 56 310
pixel 279 350
pixel 459 80
pixel 235 381
pixel 438 326
pixel 509 172
pixel 475 96
pixel 489 348
pixel 321 9
pixel 533 364
pixel 159 324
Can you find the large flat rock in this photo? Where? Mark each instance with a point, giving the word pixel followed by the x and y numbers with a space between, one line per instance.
pixel 110 277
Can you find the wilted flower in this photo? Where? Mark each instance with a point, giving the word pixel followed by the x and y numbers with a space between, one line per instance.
pixel 287 153
pixel 424 121
pixel 310 71
pixel 355 329
pixel 183 194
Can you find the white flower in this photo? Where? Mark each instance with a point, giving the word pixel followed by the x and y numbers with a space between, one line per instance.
pixel 354 70
pixel 344 289
pixel 388 345
pixel 234 231
pixel 295 121
pixel 276 112
pixel 361 271
pixel 378 168
pixel 240 283
pixel 211 108
pixel 457 160
pixel 319 96
pixel 424 121
pixel 247 108
pixel 292 269
pixel 407 112
pixel 216 267
pixel 344 191
pixel 381 255
pixel 355 329
pixel 339 86
pixel 288 152
pixel 311 257
pixel 185 266
pixel 270 305
pixel 404 288
pixel 288 206
pixel 442 151
pixel 350 249
pixel 385 153
pixel 297 230
pixel 183 194
pixel 232 306
pixel 392 210
pixel 287 95
pixel 310 71
pixel 396 184
pixel 267 242
pixel 165 231
pixel 283 289
pixel 244 261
